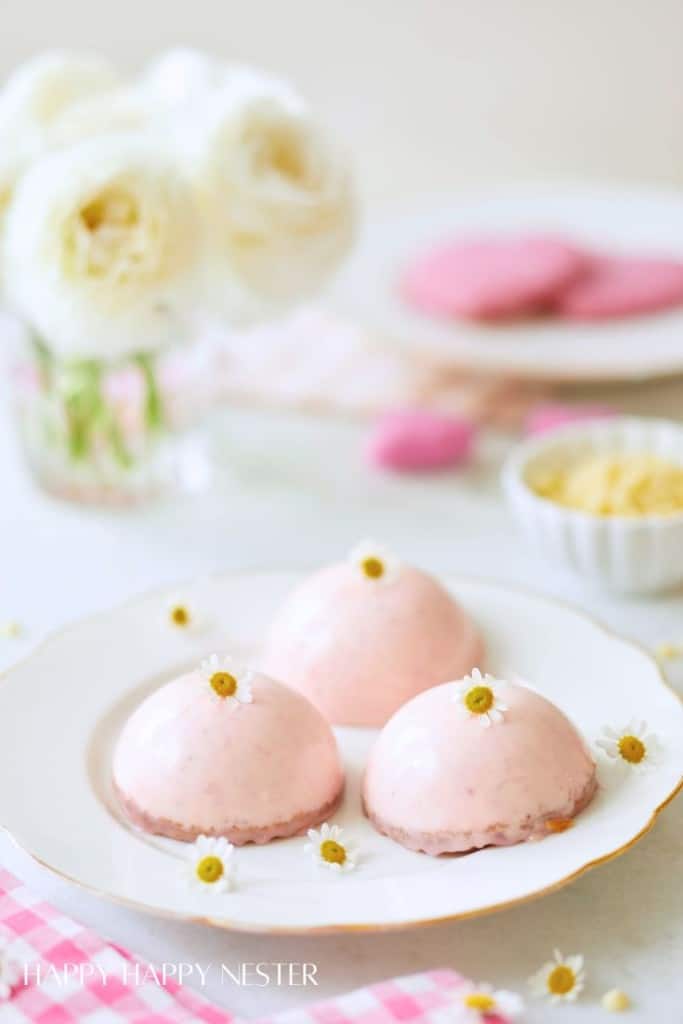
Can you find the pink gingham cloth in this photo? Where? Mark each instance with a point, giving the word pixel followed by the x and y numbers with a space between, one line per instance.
pixel 33 935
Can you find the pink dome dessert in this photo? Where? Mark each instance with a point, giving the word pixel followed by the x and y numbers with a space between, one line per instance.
pixel 476 763
pixel 362 637
pixel 224 752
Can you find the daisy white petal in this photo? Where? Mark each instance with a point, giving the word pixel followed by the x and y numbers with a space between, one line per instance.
pixel 559 980
pixel 633 745
pixel 230 682
pixel 209 864
pixel 375 562
pixel 477 1003
pixel 329 849
pixel 477 696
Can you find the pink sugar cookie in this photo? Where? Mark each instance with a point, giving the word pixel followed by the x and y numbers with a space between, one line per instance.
pixel 489 278
pixel 551 415
pixel 414 440
pixel 613 287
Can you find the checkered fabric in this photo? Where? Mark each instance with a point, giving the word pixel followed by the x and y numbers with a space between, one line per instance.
pixel 117 987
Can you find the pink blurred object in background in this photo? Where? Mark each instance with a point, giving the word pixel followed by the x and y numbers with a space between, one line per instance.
pixel 551 415
pixel 410 440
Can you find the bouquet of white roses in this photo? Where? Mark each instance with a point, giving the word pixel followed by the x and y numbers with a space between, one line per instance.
pixel 127 207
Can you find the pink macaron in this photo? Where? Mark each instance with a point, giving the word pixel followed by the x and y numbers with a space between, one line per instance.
pixel 414 440
pixel 615 287
pixel 491 278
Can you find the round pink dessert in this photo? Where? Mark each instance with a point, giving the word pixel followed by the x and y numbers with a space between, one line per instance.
pixel 437 781
pixel 359 648
pixel 491 278
pixel 189 763
pixel 616 287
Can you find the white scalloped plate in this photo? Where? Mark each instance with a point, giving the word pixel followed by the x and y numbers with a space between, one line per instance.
pixel 62 708
pixel 640 221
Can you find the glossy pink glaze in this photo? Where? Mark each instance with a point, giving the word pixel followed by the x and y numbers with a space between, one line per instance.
pixel 188 763
pixel 440 782
pixel 361 648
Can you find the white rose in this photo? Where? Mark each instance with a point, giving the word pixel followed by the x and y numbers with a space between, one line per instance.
pixel 33 98
pixel 276 198
pixel 124 111
pixel 101 249
pixel 182 75
pixel 40 90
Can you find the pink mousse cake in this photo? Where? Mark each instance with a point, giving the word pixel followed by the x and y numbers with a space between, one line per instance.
pixel 477 763
pixel 194 760
pixel 362 637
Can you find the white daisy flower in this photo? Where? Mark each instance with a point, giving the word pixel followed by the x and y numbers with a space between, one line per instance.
pixel 477 1002
pixel 180 614
pixel 633 745
pixel 477 697
pixel 375 562
pixel 10 975
pixel 228 680
pixel 209 866
pixel 329 850
pixel 561 979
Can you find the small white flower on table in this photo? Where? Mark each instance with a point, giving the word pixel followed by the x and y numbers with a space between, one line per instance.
pixel 633 745
pixel 229 681
pixel 210 866
pixel 477 697
pixel 560 980
pixel 374 562
pixel 179 614
pixel 329 849
pixel 476 1003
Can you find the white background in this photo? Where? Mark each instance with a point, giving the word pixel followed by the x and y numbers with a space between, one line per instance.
pixel 430 96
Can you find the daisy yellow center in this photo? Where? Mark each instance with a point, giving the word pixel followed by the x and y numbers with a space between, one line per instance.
pixel 632 749
pixel 481 1001
pixel 180 616
pixel 333 853
pixel 372 567
pixel 224 684
pixel 561 980
pixel 479 700
pixel 209 869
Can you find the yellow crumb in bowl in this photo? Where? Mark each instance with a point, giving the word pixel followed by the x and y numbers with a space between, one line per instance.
pixel 615 485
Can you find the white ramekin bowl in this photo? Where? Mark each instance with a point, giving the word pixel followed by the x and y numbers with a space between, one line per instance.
pixel 637 555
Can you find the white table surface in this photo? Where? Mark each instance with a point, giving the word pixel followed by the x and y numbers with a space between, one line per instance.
pixel 292 493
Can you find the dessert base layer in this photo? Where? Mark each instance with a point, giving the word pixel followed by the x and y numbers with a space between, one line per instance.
pixel 239 835
pixel 499 833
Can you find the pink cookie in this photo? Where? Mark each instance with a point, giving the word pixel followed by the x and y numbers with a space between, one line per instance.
pixel 614 287
pixel 551 415
pixel 489 278
pixel 412 440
